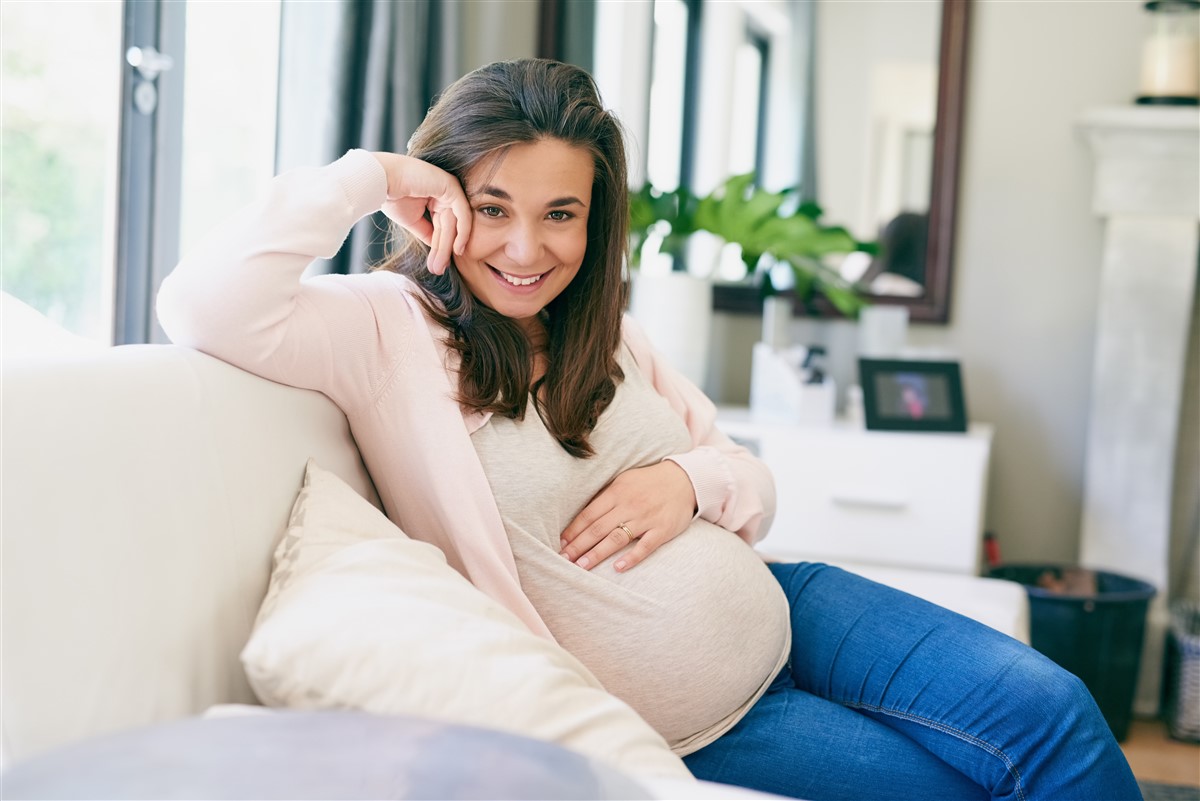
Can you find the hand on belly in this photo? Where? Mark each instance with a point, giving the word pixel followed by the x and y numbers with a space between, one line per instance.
pixel 652 505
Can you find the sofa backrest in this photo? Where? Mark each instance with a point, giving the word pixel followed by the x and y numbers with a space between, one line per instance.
pixel 144 490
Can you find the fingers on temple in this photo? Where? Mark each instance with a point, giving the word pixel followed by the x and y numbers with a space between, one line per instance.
pixel 442 240
pixel 462 212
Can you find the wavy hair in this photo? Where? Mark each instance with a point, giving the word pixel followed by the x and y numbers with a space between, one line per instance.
pixel 481 115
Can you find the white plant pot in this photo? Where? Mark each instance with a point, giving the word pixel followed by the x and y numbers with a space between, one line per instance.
pixel 675 310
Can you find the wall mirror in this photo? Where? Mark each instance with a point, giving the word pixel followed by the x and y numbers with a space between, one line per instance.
pixel 878 140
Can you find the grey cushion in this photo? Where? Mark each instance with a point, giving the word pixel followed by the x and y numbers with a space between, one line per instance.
pixel 308 755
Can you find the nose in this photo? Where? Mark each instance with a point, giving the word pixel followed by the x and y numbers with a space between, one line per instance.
pixel 524 244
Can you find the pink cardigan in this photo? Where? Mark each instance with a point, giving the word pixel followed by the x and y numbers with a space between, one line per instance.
pixel 364 341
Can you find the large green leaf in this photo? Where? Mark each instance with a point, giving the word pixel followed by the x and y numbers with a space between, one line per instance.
pixel 751 217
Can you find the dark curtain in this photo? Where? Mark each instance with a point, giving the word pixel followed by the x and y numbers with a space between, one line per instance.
pixel 804 18
pixel 359 73
pixel 566 29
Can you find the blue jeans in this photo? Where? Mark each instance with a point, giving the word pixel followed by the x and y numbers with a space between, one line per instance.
pixel 887 696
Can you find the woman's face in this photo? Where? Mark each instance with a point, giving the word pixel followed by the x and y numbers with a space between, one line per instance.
pixel 529 232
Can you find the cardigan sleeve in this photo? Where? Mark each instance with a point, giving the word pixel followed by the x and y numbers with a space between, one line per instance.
pixel 734 489
pixel 240 296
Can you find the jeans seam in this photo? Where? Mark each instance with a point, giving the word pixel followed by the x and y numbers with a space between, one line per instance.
pixel 953 732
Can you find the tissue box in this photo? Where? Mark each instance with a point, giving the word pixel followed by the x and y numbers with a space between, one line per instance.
pixel 779 392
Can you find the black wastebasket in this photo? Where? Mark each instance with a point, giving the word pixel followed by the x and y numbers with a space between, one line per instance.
pixel 1098 637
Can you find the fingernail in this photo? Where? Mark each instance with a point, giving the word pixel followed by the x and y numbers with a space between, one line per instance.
pixel 619 566
pixel 562 544
pixel 583 562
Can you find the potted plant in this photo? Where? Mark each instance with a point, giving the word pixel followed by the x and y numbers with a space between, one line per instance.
pixel 762 224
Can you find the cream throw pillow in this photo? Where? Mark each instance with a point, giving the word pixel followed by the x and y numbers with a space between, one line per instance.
pixel 359 616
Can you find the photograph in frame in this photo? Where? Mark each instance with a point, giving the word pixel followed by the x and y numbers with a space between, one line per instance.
pixel 912 395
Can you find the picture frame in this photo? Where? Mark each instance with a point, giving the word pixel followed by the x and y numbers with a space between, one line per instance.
pixel 912 395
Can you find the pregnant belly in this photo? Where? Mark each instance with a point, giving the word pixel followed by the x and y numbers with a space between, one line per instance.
pixel 686 637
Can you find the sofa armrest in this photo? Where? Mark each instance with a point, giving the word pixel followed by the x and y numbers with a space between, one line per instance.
pixel 145 489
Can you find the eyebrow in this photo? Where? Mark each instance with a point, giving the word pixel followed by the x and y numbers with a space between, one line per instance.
pixel 495 191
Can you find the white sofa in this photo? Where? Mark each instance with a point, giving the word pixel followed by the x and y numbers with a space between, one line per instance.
pixel 144 490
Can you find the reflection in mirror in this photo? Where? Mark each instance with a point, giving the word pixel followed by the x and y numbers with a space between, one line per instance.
pixel 875 115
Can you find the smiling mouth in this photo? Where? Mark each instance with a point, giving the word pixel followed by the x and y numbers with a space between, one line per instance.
pixel 517 280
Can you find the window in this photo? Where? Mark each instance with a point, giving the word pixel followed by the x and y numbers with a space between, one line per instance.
pixel 748 124
pixel 230 91
pixel 98 197
pixel 673 85
pixel 664 155
pixel 60 104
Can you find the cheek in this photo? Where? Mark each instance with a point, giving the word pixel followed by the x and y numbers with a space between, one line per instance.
pixel 481 244
pixel 573 246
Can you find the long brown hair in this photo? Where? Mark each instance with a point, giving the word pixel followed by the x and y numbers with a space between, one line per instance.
pixel 483 114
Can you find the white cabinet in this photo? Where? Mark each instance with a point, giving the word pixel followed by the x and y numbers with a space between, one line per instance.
pixel 873 497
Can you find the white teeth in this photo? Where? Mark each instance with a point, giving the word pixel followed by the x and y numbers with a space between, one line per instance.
pixel 518 281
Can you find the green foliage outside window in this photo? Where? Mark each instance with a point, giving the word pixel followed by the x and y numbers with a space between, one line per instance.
pixel 59 89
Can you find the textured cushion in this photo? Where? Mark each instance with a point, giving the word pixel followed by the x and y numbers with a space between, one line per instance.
pixel 359 616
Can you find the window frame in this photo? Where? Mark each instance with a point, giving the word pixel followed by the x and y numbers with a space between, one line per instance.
pixel 149 171
pixel 691 91
pixel 761 41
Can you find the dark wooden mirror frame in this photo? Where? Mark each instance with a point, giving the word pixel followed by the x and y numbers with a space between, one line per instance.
pixel 934 305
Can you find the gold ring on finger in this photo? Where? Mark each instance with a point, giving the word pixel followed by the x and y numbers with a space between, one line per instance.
pixel 625 527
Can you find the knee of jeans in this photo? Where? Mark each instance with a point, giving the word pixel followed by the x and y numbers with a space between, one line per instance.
pixel 1062 697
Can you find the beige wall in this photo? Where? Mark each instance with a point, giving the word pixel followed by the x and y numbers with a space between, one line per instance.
pixel 1029 249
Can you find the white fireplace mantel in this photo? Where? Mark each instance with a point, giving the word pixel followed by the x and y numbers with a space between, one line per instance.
pixel 1147 189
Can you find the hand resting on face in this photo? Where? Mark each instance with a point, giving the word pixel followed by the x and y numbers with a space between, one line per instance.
pixel 428 202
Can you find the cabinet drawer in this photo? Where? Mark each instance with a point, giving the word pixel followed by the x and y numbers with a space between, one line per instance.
pixel 912 500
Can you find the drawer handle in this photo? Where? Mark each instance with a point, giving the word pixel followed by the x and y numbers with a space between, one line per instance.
pixel 871 500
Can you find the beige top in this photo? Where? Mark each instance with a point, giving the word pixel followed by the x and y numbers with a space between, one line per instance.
pixel 691 637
